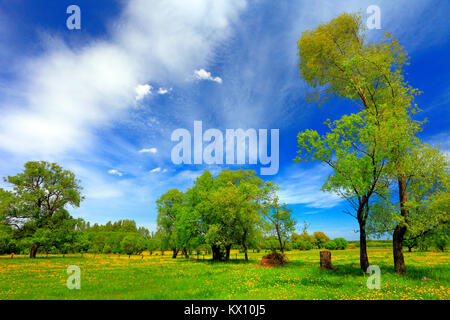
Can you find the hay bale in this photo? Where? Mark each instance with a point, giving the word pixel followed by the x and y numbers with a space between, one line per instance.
pixel 273 259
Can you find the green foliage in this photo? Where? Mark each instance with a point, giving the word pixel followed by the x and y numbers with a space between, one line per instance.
pixel 107 249
pixel 36 207
pixel 277 217
pixel 302 245
pixel 170 206
pixel 7 243
pixel 331 245
pixel 132 244
pixel 320 239
pixel 336 244
pixel 341 243
pixel 375 150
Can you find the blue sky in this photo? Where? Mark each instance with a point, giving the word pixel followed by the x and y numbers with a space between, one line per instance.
pixel 70 95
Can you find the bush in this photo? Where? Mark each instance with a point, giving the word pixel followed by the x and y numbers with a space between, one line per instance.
pixel 107 249
pixel 7 244
pixel 341 243
pixel 271 244
pixel 302 245
pixel 336 244
pixel 129 245
pixel 331 245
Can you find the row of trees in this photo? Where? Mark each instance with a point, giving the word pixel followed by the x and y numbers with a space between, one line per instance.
pixel 317 240
pixel 395 183
pixel 235 208
pixel 34 217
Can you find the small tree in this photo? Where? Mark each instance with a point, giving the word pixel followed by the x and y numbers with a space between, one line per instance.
pixel 278 216
pixel 129 245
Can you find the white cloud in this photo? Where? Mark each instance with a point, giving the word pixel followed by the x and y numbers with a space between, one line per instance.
pixel 164 91
pixel 142 90
pixel 149 150
pixel 63 95
pixel 115 172
pixel 155 170
pixel 202 74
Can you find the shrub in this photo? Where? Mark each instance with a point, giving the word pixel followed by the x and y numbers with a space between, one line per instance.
pixel 331 245
pixel 336 244
pixel 341 243
pixel 303 245
pixel 107 249
pixel 129 245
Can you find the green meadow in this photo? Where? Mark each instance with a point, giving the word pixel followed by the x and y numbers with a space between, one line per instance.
pixel 161 277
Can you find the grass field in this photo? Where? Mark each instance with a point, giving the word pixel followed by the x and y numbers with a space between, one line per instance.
pixel 161 277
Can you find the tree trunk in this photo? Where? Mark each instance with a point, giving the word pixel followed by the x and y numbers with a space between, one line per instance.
pixel 279 238
pixel 397 244
pixel 216 252
pixel 175 253
pixel 244 237
pixel 33 250
pixel 400 229
pixel 363 258
pixel 227 254
pixel 409 249
pixel 186 253
pixel 245 252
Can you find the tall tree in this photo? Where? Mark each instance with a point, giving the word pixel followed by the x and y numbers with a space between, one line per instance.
pixel 247 188
pixel 337 59
pixel 169 206
pixel 350 149
pixel 40 196
pixel 427 207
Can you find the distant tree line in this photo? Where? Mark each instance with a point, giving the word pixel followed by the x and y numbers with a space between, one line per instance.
pixel 234 210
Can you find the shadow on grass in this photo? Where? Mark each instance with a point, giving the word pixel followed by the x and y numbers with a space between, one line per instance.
pixel 416 273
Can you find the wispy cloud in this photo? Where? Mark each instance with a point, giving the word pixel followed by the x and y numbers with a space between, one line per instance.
pixel 148 150
pixel 302 186
pixel 115 172
pixel 155 170
pixel 66 94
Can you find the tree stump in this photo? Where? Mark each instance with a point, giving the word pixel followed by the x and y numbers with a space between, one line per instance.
pixel 325 259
